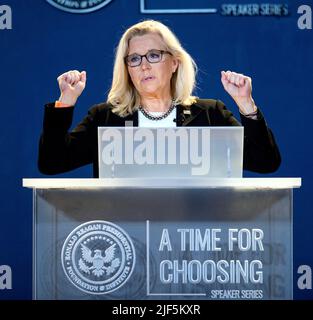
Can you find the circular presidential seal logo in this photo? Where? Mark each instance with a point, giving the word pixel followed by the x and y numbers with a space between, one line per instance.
pixel 79 6
pixel 98 257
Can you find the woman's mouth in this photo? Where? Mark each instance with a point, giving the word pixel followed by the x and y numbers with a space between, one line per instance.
pixel 148 78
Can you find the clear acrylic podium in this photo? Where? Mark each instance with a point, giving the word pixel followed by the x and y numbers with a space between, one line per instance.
pixel 163 238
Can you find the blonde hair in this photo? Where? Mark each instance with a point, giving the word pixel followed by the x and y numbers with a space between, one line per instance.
pixel 123 95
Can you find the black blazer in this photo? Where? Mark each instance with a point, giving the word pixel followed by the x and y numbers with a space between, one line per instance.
pixel 61 151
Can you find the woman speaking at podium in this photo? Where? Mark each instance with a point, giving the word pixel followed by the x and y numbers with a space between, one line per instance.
pixel 153 80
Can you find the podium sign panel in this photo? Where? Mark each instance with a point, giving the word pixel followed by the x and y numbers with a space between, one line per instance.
pixel 163 239
pixel 128 152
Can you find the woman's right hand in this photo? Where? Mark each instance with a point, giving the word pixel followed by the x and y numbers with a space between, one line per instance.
pixel 71 84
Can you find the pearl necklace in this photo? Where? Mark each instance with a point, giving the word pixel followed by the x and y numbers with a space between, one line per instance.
pixel 156 118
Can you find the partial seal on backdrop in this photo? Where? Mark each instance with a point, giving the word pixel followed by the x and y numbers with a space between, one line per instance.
pixel 98 257
pixel 79 6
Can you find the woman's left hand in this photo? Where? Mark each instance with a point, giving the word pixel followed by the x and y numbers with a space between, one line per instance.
pixel 239 87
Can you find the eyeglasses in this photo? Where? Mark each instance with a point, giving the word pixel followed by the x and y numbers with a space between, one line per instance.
pixel 153 56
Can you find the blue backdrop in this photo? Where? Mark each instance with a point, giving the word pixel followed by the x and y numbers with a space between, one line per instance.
pixel 45 41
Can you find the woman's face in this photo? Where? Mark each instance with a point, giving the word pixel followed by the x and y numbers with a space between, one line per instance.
pixel 151 79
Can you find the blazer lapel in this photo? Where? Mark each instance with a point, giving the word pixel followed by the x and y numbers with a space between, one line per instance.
pixel 186 114
pixel 133 118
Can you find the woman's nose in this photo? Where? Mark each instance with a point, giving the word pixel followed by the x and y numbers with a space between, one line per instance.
pixel 145 64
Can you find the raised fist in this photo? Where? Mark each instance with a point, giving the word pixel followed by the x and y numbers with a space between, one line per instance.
pixel 71 84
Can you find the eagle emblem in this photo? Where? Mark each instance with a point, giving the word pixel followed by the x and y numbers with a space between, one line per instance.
pixel 99 264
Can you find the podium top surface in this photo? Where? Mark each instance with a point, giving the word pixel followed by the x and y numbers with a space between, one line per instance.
pixel 263 183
